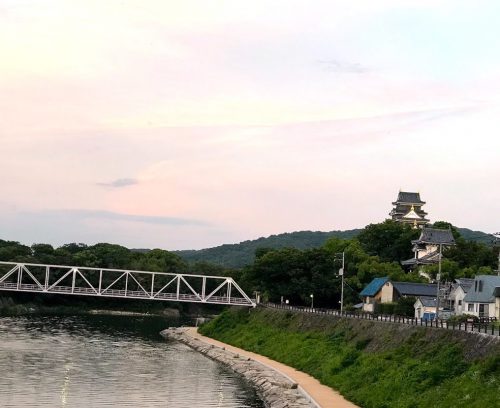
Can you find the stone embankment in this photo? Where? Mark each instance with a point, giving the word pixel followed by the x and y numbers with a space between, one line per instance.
pixel 275 389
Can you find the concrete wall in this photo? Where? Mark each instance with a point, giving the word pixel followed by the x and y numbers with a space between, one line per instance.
pixel 387 293
pixel 458 295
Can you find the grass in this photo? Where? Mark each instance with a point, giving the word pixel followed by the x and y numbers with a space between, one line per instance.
pixel 373 365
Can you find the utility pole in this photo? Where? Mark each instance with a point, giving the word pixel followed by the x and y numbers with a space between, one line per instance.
pixel 341 273
pixel 497 241
pixel 438 279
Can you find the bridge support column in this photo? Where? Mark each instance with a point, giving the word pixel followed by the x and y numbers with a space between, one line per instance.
pixel 19 276
pixel 178 286
pixel 46 284
pixel 73 281
pixel 100 281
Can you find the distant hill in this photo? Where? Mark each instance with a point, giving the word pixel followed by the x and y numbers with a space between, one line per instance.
pixel 477 236
pixel 239 255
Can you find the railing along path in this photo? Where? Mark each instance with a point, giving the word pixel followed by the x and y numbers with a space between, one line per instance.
pixel 484 327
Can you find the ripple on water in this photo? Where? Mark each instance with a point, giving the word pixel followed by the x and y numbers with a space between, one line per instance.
pixel 97 362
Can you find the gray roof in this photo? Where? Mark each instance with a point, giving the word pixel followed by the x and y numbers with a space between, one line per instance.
pixel 428 301
pixel 415 289
pixel 465 283
pixel 428 259
pixel 407 197
pixel 487 284
pixel 435 236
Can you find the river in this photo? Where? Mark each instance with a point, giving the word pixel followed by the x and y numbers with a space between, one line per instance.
pixel 109 361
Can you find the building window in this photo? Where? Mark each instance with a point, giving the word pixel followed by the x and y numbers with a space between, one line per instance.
pixel 480 286
pixel 459 303
pixel 470 307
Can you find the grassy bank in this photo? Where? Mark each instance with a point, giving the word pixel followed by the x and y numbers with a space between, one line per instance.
pixel 372 364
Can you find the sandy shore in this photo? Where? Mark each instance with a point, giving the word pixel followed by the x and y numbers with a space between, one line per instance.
pixel 324 396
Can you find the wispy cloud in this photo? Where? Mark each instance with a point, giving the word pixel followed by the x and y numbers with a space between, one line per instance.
pixel 81 214
pixel 121 182
pixel 334 65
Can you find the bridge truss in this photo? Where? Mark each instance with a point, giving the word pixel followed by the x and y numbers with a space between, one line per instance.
pixel 119 283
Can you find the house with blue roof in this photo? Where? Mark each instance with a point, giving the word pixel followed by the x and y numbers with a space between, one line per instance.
pixel 383 290
pixel 372 293
pixel 480 300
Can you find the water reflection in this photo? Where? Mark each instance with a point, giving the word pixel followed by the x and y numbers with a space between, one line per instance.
pixel 112 361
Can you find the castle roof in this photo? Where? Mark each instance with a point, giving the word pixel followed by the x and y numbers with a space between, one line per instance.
pixel 412 215
pixel 408 197
pixel 435 236
pixel 429 259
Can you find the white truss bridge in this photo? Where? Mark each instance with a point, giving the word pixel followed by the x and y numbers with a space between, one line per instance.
pixel 119 283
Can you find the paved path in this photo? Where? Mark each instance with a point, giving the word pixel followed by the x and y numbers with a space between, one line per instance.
pixel 324 396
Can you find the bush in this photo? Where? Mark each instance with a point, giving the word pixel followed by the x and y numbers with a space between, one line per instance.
pixel 457 319
pixel 405 307
pixel 385 308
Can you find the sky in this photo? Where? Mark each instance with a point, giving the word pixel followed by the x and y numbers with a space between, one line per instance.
pixel 186 125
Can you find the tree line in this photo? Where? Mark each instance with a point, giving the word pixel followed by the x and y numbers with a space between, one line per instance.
pixel 289 273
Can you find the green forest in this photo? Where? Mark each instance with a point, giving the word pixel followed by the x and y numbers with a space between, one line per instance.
pixel 242 254
pixel 289 272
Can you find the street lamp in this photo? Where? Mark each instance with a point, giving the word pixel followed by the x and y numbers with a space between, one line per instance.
pixel 312 301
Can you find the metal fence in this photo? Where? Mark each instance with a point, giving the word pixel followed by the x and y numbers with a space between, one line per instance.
pixel 487 327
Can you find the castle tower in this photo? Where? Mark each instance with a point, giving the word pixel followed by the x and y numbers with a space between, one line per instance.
pixel 408 209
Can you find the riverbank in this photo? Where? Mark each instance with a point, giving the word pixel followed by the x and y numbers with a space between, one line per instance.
pixel 372 364
pixel 278 385
pixel 10 308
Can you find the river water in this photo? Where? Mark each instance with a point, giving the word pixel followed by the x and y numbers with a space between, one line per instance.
pixel 109 361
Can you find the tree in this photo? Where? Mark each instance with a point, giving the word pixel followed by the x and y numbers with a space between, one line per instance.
pixel 159 260
pixel 389 240
pixel 295 275
pixel 14 251
pixel 44 253
pixel 104 256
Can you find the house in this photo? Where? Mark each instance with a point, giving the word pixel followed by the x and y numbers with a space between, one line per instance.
pixel 382 290
pixel 425 307
pixel 393 291
pixel 428 247
pixel 457 294
pixel 371 294
pixel 480 300
pixel 496 293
